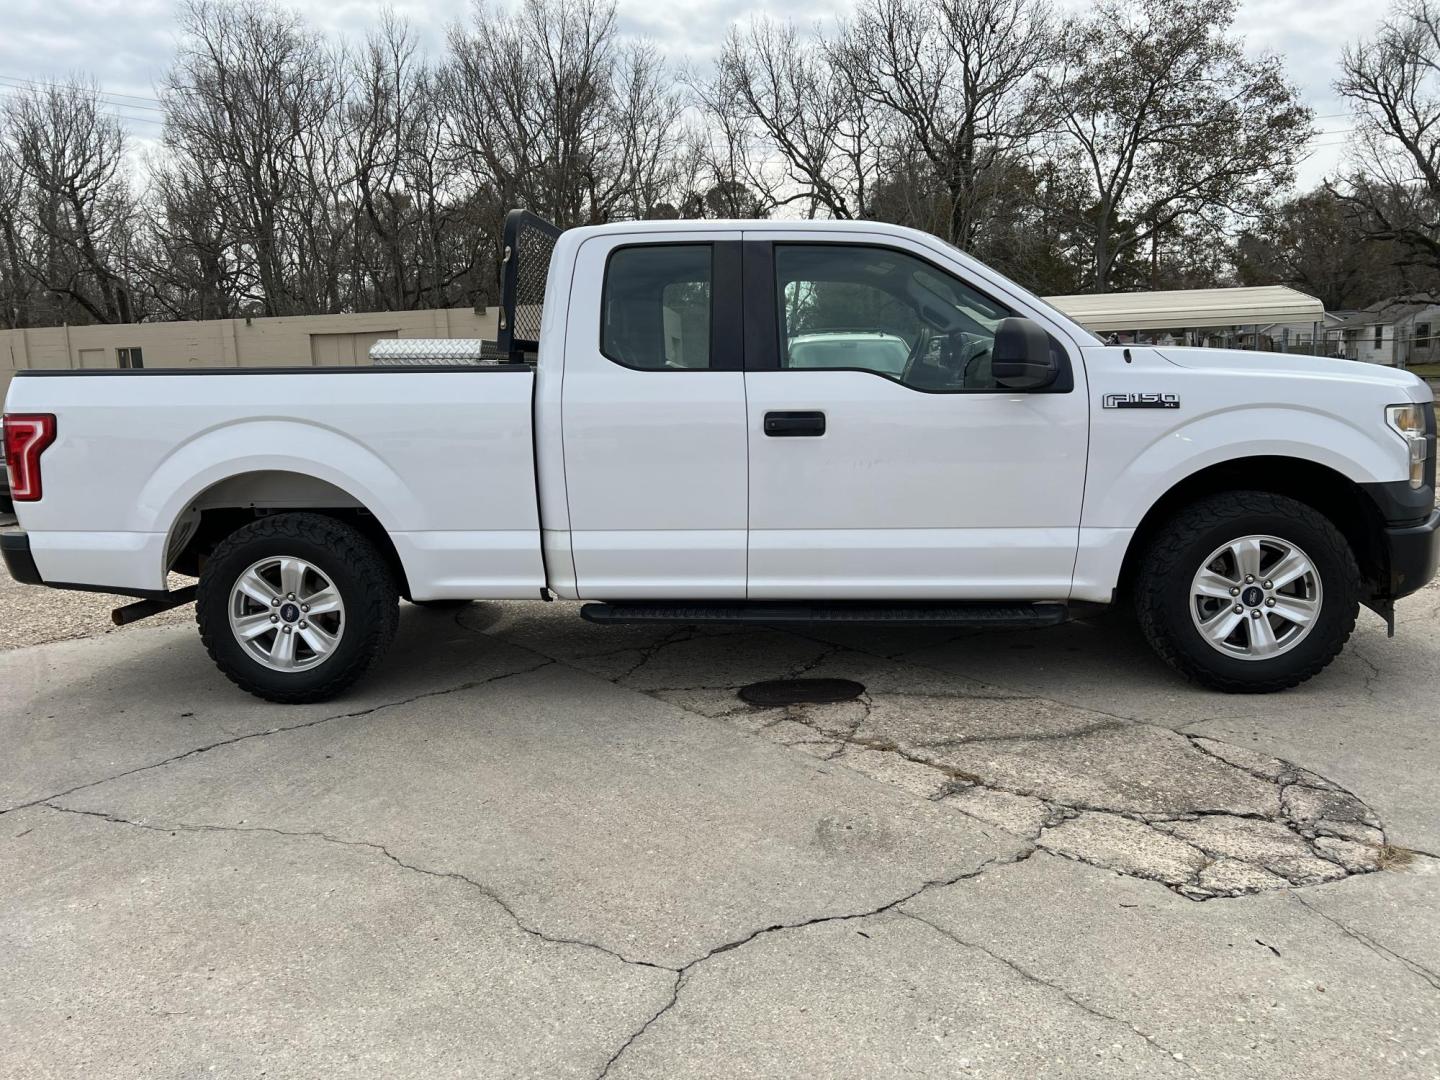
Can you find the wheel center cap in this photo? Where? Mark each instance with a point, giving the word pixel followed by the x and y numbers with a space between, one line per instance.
pixel 1251 597
pixel 290 612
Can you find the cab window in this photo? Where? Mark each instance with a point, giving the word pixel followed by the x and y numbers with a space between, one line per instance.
pixel 852 307
pixel 655 312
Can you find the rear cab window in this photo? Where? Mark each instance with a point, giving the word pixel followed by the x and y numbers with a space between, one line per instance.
pixel 656 309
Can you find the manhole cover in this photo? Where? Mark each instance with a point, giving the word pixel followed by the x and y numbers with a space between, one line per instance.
pixel 801 691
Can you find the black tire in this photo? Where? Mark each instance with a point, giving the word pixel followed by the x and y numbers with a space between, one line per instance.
pixel 355 569
pixel 442 605
pixel 1162 589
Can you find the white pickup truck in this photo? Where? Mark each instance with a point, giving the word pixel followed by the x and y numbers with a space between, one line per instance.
pixel 766 422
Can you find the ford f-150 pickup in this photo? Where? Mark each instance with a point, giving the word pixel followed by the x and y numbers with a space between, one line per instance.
pixel 767 422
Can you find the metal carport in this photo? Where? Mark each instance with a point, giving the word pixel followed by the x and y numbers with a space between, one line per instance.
pixel 1187 309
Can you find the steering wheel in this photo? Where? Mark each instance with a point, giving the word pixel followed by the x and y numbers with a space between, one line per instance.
pixel 975 375
pixel 921 346
pixel 946 365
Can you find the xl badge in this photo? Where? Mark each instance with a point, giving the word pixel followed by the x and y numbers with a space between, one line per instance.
pixel 1142 401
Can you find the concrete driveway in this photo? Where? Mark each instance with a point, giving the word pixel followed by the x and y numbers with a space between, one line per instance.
pixel 530 847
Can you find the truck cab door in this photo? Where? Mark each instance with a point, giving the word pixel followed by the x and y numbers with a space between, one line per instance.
pixel 653 406
pixel 885 460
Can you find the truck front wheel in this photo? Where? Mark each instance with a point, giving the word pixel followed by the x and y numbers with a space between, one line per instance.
pixel 296 607
pixel 1248 592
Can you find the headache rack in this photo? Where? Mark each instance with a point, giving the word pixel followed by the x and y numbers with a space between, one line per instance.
pixel 529 242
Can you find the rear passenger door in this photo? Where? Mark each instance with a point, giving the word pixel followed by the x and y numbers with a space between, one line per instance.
pixel 654 417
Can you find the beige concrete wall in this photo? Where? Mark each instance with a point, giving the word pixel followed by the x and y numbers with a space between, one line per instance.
pixel 298 341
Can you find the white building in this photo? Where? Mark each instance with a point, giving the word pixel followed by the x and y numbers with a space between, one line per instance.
pixel 1393 333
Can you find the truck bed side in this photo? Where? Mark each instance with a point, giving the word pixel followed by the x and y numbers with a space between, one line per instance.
pixel 442 459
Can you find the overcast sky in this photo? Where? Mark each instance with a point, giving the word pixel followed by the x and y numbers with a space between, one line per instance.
pixel 126 44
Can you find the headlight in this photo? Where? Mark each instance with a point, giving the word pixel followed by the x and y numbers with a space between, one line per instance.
pixel 1408 421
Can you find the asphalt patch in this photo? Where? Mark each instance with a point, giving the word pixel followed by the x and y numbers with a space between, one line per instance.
pixel 801 692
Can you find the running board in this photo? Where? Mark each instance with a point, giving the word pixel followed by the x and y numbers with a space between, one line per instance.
pixel 979 615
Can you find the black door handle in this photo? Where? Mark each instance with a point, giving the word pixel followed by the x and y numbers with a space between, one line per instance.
pixel 784 425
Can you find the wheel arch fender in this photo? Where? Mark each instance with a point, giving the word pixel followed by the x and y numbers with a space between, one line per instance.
pixel 1130 489
pixel 298 448
pixel 1331 492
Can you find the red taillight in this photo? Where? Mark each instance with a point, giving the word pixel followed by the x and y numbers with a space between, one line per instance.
pixel 26 437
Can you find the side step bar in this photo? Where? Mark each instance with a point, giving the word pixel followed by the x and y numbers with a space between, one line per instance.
pixel 980 615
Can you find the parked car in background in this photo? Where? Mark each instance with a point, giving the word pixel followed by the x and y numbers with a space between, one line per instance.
pixel 772 422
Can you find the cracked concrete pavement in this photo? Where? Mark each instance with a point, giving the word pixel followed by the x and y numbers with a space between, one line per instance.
pixel 529 846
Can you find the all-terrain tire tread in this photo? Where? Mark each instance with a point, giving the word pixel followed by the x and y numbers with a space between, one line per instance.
pixel 1161 561
pixel 375 613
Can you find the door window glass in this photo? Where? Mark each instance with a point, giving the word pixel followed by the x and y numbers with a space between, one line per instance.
pixel 656 307
pixel 844 306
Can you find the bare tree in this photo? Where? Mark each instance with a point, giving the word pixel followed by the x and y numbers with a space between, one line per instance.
pixel 647 107
pixel 957 79
pixel 254 115
pixel 550 111
pixel 299 175
pixel 1172 121
pixel 70 194
pixel 1317 243
pixel 390 144
pixel 16 285
pixel 782 93
pixel 189 265
pixel 1393 83
pixel 726 173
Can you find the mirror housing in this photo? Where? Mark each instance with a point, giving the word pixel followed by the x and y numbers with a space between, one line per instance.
pixel 1021 358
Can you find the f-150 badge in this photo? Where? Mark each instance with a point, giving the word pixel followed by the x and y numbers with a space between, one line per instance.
pixel 1142 401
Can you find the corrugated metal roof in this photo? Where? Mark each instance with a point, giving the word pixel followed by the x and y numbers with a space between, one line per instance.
pixel 1389 312
pixel 1178 309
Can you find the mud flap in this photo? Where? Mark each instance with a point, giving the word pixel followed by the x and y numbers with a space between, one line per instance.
pixel 1386 610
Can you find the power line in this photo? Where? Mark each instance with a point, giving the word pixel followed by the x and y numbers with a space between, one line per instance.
pixel 15 90
pixel 108 96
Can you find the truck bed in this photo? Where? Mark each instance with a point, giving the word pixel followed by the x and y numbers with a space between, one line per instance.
pixel 442 457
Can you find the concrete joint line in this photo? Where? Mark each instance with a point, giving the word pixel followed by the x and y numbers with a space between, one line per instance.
pixel 379 849
pixel 682 974
pixel 1068 995
pixel 220 743
pixel 1419 970
pixel 1030 977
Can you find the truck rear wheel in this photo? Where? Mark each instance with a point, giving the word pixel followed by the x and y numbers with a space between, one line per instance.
pixel 1248 592
pixel 296 607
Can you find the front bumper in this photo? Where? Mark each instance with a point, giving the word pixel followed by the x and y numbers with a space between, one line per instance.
pixel 1412 554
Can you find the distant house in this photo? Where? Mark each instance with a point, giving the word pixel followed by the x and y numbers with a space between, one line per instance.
pixel 1317 337
pixel 1393 332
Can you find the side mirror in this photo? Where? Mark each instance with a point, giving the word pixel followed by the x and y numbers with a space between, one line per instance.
pixel 1021 358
